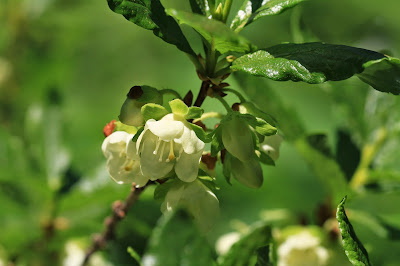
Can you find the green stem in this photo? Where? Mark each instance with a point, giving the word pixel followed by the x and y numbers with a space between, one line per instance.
pixel 169 91
pixel 224 103
pixel 367 155
pixel 240 96
pixel 227 9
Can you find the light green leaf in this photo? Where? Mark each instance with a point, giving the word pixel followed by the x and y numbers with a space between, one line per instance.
pixel 213 31
pixel 176 241
pixel 243 251
pixel 251 10
pixel 200 133
pixel 153 111
pixel 150 14
pixel 178 107
pixel 354 249
pixel 259 125
pixel 318 62
pixel 194 112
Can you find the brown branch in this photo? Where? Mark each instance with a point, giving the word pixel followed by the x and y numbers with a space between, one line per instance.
pixel 202 93
pixel 120 209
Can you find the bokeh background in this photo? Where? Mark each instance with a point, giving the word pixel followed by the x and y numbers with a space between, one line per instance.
pixel 65 68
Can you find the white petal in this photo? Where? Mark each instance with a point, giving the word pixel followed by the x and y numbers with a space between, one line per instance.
pixel 187 166
pixel 248 173
pixel 114 143
pixel 150 162
pixel 190 142
pixel 131 151
pixel 166 129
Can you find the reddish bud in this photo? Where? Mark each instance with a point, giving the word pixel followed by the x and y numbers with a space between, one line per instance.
pixel 109 128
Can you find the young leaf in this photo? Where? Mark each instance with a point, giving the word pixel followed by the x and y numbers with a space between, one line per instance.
pixel 213 31
pixel 354 249
pixel 153 111
pixel 150 14
pixel 318 62
pixel 176 241
pixel 242 252
pixel 178 107
pixel 252 10
pixel 194 112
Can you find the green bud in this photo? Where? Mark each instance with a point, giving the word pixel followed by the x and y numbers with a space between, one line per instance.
pixel 249 173
pixel 137 97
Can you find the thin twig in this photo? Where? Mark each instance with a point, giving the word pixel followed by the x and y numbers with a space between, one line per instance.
pixel 202 93
pixel 120 209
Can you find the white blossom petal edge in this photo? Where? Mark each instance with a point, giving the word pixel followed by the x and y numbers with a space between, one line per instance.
pixel 123 166
pixel 167 144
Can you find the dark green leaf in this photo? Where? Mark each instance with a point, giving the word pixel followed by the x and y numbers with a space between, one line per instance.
pixel 264 256
pixel 150 14
pixel 265 159
pixel 176 241
pixel 383 74
pixel 318 62
pixel 216 143
pixel 347 153
pixel 320 143
pixel 251 10
pixel 198 6
pixel 243 251
pixel 162 189
pixel 354 249
pixel 200 133
pixel 213 31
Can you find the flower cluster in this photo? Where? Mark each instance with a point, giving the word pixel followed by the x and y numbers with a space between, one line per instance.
pixel 165 148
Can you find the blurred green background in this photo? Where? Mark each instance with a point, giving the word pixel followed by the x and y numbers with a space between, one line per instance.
pixel 65 68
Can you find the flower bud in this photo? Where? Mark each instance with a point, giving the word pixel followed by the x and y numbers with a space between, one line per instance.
pixel 271 146
pixel 238 138
pixel 137 97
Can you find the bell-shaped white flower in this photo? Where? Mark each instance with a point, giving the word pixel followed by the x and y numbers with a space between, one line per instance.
pixel 198 199
pixel 168 144
pixel 271 146
pixel 123 164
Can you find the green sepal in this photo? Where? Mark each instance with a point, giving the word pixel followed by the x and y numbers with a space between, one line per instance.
pixel 194 113
pixel 200 133
pixel 354 249
pixel 153 111
pixel 150 95
pixel 216 142
pixel 260 125
pixel 208 181
pixel 178 107
pixel 265 159
pixel 119 126
pixel 250 108
pixel 226 170
pixel 138 132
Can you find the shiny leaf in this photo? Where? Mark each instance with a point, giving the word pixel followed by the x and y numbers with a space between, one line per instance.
pixel 354 249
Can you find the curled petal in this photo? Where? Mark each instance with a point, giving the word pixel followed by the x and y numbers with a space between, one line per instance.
pixel 115 143
pixel 190 142
pixel 166 129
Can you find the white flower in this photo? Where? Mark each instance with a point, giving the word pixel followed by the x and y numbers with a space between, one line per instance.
pixel 123 164
pixel 271 146
pixel 168 144
pixel 302 249
pixel 225 242
pixel 198 199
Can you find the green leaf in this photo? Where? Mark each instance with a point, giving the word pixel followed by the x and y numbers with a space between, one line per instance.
pixel 213 31
pixel 150 14
pixel 162 189
pixel 264 256
pixel 176 241
pixel 382 74
pixel 137 134
pixel 353 247
pixel 251 10
pixel 243 251
pixel 194 112
pixel 265 159
pixel 318 62
pixel 226 170
pixel 216 142
pixel 198 6
pixel 153 111
pixel 259 125
pixel 178 107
